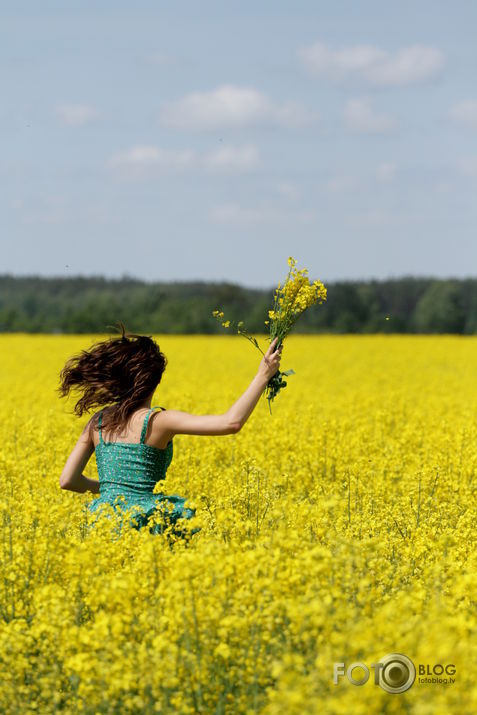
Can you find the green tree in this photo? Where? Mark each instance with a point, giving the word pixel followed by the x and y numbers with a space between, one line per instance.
pixel 441 309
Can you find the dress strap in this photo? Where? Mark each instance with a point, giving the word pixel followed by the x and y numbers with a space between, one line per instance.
pixel 100 420
pixel 146 420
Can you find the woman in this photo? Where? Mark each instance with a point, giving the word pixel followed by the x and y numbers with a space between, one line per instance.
pixel 133 444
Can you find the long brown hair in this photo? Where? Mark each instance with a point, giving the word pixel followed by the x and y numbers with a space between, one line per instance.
pixel 119 372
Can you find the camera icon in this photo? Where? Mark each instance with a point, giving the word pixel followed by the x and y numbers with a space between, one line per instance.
pixel 397 673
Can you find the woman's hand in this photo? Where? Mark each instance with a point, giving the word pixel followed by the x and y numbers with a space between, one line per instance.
pixel 271 360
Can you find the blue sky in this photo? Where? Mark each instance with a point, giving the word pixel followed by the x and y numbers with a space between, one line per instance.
pixel 210 141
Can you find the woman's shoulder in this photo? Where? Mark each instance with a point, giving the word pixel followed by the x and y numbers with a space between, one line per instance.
pixel 91 427
pixel 161 434
pixel 95 418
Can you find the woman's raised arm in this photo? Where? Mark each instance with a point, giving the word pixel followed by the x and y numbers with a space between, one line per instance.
pixel 176 422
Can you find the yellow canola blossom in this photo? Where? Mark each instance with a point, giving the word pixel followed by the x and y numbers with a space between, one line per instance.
pixel 291 299
pixel 341 529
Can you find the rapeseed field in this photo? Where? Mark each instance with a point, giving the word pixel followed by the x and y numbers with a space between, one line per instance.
pixel 339 529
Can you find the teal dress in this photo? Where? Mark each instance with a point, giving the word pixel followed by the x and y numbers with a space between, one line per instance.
pixel 128 473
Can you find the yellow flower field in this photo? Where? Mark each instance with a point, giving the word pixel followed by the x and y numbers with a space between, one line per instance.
pixel 337 530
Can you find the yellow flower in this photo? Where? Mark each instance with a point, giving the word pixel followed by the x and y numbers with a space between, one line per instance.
pixel 222 650
pixel 323 582
pixel 226 324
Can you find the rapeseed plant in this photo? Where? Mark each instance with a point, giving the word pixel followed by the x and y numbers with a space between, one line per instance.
pixel 342 530
pixel 291 299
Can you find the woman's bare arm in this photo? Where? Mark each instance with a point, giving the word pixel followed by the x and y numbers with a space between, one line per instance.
pixel 71 477
pixel 176 422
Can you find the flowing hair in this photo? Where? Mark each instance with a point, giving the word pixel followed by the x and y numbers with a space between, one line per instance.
pixel 118 372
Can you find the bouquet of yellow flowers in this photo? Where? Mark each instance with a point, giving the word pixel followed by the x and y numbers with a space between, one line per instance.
pixel 290 301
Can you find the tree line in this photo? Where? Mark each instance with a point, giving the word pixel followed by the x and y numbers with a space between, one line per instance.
pixel 34 304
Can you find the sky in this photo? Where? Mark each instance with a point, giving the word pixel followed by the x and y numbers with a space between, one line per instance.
pixel 177 141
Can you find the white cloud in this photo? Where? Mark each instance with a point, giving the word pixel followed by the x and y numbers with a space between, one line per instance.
pixel 141 159
pixel 235 214
pixel 74 115
pixel 341 182
pixel 467 166
pixel 408 65
pixel 373 218
pixel 386 171
pixel 290 191
pixel 48 210
pixel 465 112
pixel 162 59
pixel 360 117
pixel 232 106
pixel 52 217
pixel 443 187
pixel 144 159
pixel 235 158
pixel 143 154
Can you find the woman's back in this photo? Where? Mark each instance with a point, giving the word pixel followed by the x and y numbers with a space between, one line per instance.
pixel 128 473
pixel 131 433
pixel 130 468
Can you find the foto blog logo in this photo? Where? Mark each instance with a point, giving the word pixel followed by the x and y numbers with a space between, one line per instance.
pixel 394 673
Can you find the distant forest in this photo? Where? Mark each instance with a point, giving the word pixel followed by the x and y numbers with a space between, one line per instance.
pixel 33 304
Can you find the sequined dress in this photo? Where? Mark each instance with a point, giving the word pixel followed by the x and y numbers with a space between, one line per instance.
pixel 128 473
